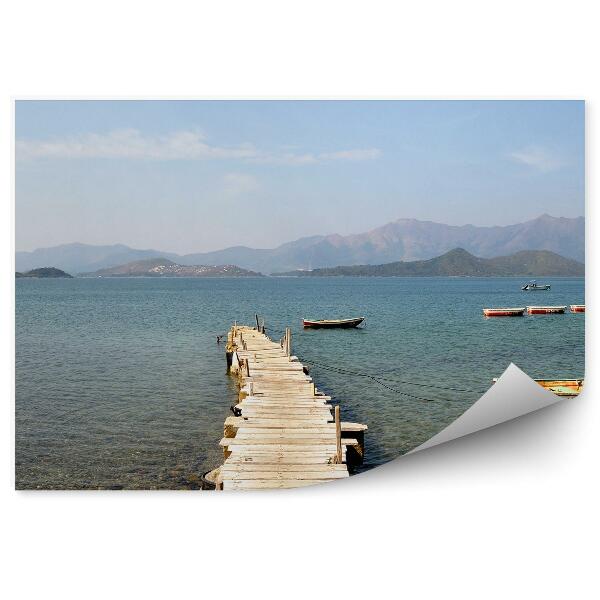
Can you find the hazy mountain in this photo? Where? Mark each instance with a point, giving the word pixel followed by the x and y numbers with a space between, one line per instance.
pixel 459 262
pixel 163 267
pixel 405 239
pixel 77 258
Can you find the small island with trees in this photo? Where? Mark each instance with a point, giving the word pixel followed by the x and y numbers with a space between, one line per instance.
pixel 45 273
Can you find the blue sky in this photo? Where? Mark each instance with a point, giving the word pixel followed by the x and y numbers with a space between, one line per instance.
pixel 189 176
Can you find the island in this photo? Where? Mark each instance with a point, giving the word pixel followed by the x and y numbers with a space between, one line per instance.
pixel 44 273
pixel 460 263
pixel 163 267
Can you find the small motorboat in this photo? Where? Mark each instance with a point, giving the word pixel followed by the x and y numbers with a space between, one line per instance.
pixel 577 308
pixel 560 387
pixel 546 310
pixel 331 323
pixel 533 286
pixel 504 312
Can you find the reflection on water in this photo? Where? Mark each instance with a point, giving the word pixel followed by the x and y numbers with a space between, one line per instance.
pixel 120 382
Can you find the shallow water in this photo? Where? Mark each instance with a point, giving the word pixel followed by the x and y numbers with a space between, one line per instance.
pixel 120 382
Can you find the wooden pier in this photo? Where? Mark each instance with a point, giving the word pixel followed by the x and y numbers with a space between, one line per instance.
pixel 285 433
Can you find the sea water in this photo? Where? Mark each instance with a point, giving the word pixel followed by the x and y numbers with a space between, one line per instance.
pixel 120 383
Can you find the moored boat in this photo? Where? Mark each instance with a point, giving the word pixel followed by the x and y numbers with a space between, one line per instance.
pixel 533 286
pixel 575 308
pixel 546 310
pixel 560 387
pixel 333 323
pixel 504 312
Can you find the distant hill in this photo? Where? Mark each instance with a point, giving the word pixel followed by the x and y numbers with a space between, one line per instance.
pixel 401 240
pixel 44 272
pixel 77 258
pixel 163 267
pixel 459 262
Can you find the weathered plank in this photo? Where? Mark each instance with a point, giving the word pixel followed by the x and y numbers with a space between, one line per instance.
pixel 272 457
pixel 282 475
pixel 268 484
pixel 300 443
pixel 238 467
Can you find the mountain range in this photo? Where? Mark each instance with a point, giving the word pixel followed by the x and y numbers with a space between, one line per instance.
pixel 460 263
pixel 401 240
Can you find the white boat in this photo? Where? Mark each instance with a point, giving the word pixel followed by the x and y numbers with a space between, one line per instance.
pixel 533 286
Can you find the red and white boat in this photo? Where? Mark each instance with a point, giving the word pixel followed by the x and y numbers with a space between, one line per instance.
pixel 504 312
pixel 546 310
pixel 577 307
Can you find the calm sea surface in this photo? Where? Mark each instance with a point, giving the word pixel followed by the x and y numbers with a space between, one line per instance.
pixel 120 382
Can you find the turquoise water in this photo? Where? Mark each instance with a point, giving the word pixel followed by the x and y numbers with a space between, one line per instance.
pixel 120 382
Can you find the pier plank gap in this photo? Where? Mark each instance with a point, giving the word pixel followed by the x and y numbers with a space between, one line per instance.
pixel 285 433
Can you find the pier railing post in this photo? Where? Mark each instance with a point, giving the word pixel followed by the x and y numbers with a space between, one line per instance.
pixel 288 341
pixel 338 435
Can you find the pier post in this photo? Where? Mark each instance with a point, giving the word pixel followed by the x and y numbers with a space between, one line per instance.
pixel 288 341
pixel 338 435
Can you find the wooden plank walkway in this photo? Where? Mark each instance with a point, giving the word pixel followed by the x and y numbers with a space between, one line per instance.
pixel 285 433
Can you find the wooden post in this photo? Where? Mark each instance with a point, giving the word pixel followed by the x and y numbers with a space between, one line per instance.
pixel 257 323
pixel 247 368
pixel 338 435
pixel 262 327
pixel 290 342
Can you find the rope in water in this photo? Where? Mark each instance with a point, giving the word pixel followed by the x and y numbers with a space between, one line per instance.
pixel 401 381
pixel 376 377
pixel 393 389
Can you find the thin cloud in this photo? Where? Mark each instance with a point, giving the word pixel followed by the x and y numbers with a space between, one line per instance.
pixel 131 144
pixel 538 157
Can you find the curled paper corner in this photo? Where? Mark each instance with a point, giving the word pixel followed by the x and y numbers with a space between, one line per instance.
pixel 513 395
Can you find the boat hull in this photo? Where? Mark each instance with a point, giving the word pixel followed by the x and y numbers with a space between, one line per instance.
pixel 503 312
pixel 546 310
pixel 333 324
pixel 577 308
pixel 560 387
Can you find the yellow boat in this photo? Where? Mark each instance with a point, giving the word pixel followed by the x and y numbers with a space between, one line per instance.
pixel 560 387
